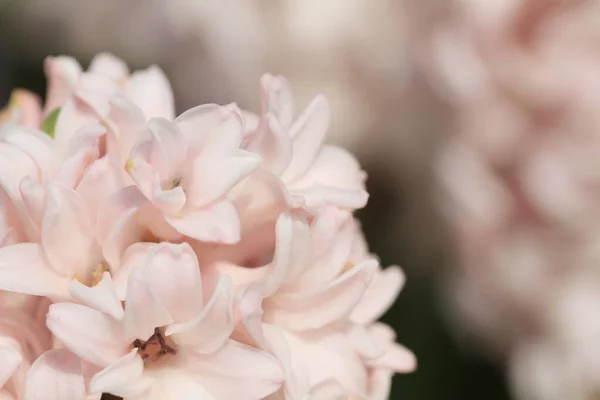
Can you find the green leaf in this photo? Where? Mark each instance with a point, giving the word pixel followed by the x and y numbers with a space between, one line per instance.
pixel 50 122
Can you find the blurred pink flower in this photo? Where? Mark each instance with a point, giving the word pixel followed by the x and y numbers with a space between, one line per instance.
pixel 520 178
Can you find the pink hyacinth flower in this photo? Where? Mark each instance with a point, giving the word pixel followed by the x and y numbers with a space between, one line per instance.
pixel 172 339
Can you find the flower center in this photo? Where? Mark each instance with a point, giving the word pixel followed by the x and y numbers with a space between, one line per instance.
pixel 172 184
pixel 349 265
pixel 156 348
pixel 96 275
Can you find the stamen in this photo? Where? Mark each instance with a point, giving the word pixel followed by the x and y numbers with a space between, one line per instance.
pixel 172 184
pixel 98 272
pixel 155 348
pixel 96 276
pixel 349 265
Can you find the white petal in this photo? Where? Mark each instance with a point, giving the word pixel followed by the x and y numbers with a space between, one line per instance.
pixel 102 297
pixel 91 334
pixel 55 375
pixel 212 327
pixel 236 372
pixel 24 269
pixel 143 310
pixel 67 235
pixel 218 223
pixel 151 91
pixel 212 179
pixel 124 378
pixel 10 359
pixel 308 133
pixel 173 275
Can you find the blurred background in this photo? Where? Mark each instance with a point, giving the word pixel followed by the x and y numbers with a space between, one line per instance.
pixel 477 122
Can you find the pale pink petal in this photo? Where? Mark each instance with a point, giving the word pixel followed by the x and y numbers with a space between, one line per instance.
pixel 215 141
pixel 6 395
pixel 170 201
pixel 296 374
pixel 124 378
pixel 328 225
pixel 318 196
pixel 239 275
pixel 10 358
pixel 67 235
pixel 333 178
pixel 168 146
pixel 152 152
pixel 143 310
pixel 109 65
pixel 273 143
pixel 291 252
pixel 24 269
pixel 393 357
pixel 62 74
pixel 55 375
pixel 34 200
pixel 226 138
pixel 11 217
pixel 197 123
pixel 103 174
pixel 259 200
pixel 277 98
pixel 91 334
pixel 36 144
pixel 138 166
pixel 212 179
pixel 89 104
pixel 154 224
pixel 19 164
pixel 211 328
pixel 73 115
pixel 173 382
pixel 103 296
pixel 124 232
pixel 236 372
pixel 172 273
pixel 117 207
pixel 151 91
pixel 217 223
pixel 397 358
pixel 126 126
pixel 251 121
pixel 379 296
pixel 326 304
pixel 329 355
pixel 84 150
pixel 117 226
pixel 366 344
pixel 248 314
pixel 380 383
pixel 332 237
pixel 133 257
pixel 308 134
pixel 329 389
pixel 96 90
pixel 147 177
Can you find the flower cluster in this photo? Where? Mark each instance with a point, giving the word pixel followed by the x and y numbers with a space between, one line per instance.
pixel 210 255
